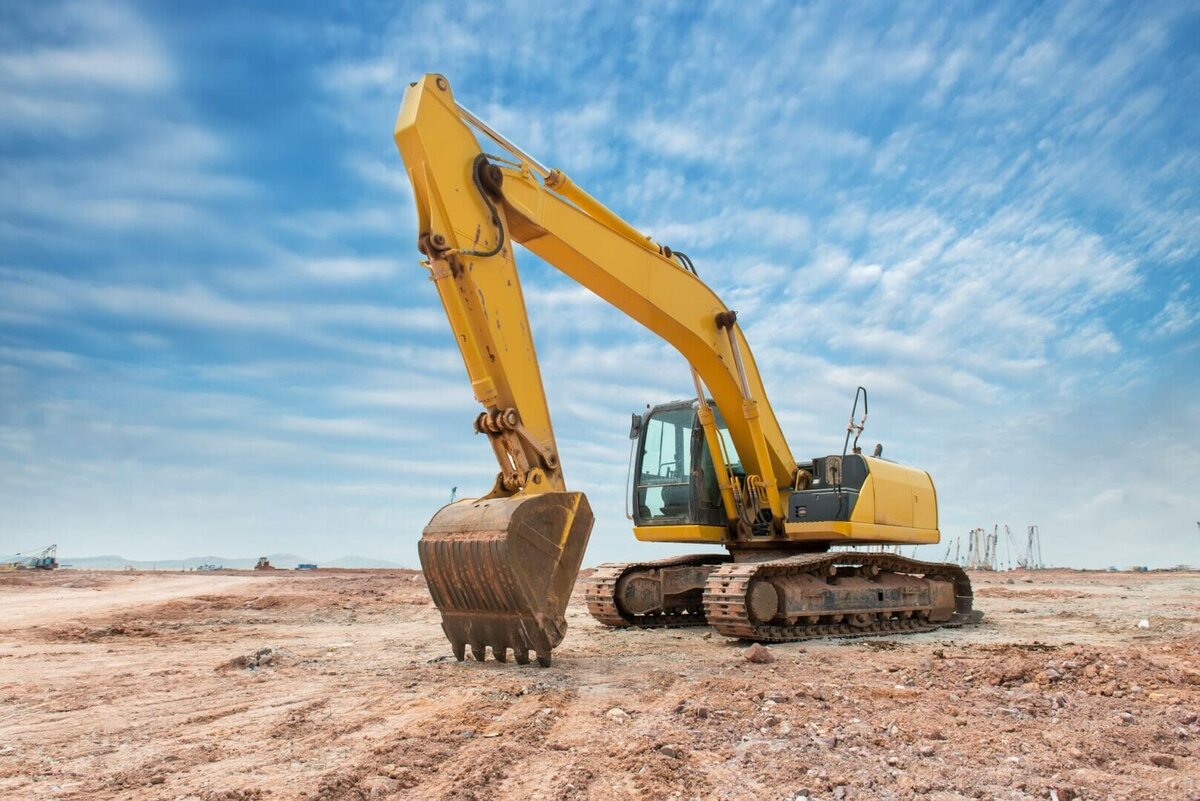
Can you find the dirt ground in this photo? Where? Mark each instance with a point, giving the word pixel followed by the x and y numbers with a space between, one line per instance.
pixel 161 686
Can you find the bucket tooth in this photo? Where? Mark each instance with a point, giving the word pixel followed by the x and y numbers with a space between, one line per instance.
pixel 459 649
pixel 500 653
pixel 501 570
pixel 478 651
pixel 521 655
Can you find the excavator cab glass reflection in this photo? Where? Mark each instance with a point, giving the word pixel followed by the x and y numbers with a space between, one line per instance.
pixel 674 476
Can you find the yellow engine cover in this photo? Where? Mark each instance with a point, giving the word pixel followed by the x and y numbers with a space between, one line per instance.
pixel 896 504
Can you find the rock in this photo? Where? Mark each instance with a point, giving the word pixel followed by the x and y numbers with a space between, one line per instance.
pixel 617 715
pixel 926 750
pixel 759 654
pixel 1125 718
pixel 702 712
pixel 1063 794
pixel 1143 624
pixel 1162 760
pixel 1190 676
pixel 893 760
pixel 670 751
pixel 262 658
pixel 1187 718
pixel 468 733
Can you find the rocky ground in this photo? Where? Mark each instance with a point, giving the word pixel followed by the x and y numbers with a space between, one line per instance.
pixel 336 685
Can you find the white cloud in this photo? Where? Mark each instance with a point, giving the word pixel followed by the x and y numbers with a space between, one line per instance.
pixel 1178 315
pixel 101 48
pixel 1090 339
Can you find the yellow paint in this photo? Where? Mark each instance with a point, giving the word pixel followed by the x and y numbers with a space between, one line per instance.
pixel 690 533
pixel 562 185
pixel 482 299
pixel 900 495
pixel 864 509
pixel 708 424
pixel 841 532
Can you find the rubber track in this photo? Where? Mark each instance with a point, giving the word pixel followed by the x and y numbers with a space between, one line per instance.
pixel 727 589
pixel 601 588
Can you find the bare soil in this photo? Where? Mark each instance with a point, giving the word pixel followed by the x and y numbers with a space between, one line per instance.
pixel 337 685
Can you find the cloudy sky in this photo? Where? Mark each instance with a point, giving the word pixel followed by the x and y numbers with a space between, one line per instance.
pixel 215 337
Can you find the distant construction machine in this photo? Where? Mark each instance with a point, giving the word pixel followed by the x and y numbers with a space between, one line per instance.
pixel 714 468
pixel 45 559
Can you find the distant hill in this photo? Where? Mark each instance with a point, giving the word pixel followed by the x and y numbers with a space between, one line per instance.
pixel 284 561
pixel 358 562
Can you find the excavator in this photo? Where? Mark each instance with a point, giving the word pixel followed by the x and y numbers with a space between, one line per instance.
pixel 711 469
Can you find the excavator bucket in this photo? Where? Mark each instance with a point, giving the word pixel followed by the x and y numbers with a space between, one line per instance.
pixel 501 570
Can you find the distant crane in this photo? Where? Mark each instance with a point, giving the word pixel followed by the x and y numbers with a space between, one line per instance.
pixel 981 549
pixel 45 559
pixel 955 545
pixel 1033 550
pixel 453 494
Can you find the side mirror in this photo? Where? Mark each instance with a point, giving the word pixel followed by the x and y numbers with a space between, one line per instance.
pixel 635 426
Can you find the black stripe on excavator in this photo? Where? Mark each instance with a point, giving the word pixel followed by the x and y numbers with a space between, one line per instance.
pixel 823 504
pixel 835 493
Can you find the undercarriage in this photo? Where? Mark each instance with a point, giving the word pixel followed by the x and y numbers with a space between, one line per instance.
pixel 806 596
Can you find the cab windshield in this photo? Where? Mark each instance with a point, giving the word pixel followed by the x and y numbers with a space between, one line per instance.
pixel 664 477
pixel 670 478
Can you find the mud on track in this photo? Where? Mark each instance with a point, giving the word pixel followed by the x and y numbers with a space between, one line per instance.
pixel 160 686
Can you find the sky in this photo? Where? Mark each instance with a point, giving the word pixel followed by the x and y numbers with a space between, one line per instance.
pixel 215 337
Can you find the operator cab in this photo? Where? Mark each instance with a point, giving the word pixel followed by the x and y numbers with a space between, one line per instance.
pixel 673 479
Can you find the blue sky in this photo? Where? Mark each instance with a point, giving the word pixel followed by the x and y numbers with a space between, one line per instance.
pixel 215 337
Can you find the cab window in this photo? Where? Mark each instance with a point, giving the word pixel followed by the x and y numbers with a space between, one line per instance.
pixel 664 476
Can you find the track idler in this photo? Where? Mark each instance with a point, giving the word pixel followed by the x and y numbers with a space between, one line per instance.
pixel 501 571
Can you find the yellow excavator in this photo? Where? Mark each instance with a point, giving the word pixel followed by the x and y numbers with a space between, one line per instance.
pixel 712 469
